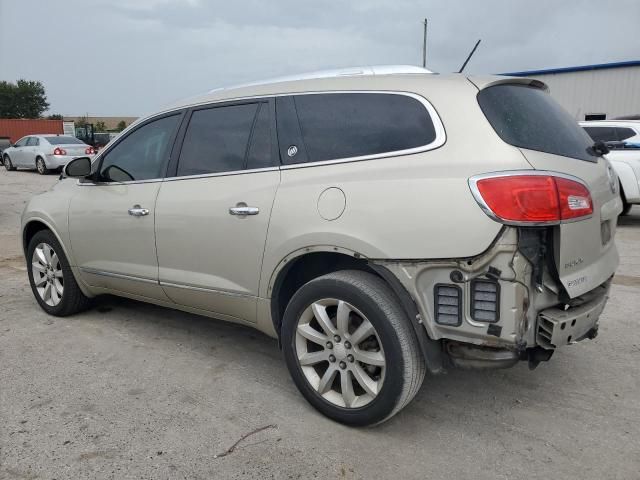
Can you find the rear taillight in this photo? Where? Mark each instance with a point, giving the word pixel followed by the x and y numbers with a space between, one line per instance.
pixel 90 151
pixel 521 198
pixel 59 151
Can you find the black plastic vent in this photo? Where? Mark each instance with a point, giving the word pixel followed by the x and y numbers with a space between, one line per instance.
pixel 485 301
pixel 448 304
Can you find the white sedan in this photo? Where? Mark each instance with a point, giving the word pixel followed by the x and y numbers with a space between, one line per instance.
pixel 44 152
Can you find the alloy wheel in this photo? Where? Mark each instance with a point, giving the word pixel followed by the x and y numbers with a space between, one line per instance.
pixel 47 274
pixel 42 168
pixel 340 353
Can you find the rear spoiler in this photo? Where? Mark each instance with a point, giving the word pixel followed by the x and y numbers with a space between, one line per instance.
pixel 482 82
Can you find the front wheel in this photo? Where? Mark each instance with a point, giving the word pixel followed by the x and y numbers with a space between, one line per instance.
pixel 351 349
pixel 51 278
pixel 41 166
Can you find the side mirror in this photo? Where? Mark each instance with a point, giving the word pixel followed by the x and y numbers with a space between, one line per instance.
pixel 78 167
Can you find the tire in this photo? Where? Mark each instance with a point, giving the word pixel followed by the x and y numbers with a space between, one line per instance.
pixel 626 206
pixel 41 167
pixel 397 369
pixel 64 296
pixel 7 164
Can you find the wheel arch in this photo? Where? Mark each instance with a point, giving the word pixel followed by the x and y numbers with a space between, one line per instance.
pixel 302 266
pixel 308 263
pixel 38 224
pixel 628 182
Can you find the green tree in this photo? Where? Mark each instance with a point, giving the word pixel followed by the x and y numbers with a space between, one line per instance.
pixel 23 99
pixel 101 127
pixel 55 116
pixel 81 122
pixel 121 125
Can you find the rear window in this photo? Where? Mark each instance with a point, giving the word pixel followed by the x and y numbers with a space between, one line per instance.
pixel 527 117
pixel 62 140
pixel 346 125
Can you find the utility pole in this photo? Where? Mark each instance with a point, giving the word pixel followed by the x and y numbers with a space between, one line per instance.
pixel 424 45
pixel 469 57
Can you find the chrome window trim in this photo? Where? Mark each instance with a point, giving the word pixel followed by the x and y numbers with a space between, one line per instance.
pixel 440 138
pixel 473 186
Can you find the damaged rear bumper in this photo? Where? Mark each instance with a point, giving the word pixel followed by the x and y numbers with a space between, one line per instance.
pixel 532 314
pixel 559 326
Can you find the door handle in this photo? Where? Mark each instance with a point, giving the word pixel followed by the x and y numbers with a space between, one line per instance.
pixel 138 211
pixel 243 209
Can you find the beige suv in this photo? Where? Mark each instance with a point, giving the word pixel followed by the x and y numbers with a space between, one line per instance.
pixel 380 223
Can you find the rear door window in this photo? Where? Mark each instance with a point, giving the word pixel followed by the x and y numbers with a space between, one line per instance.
pixel 527 117
pixel 217 140
pixel 32 142
pixel 346 125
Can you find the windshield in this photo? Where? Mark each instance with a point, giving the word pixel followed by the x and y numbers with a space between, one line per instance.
pixel 527 117
pixel 62 140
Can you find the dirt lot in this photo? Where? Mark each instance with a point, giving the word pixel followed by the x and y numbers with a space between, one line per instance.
pixel 129 390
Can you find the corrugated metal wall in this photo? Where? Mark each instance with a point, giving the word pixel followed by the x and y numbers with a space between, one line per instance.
pixel 18 128
pixel 614 91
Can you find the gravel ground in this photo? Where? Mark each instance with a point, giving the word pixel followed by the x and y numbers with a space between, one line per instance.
pixel 129 390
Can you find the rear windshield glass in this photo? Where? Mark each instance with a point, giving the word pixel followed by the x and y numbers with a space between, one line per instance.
pixel 527 117
pixel 63 140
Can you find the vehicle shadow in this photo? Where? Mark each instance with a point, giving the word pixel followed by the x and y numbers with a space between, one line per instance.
pixel 457 394
pixel 633 218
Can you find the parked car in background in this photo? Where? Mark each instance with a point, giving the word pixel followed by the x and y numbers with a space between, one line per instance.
pixel 380 223
pixel 44 152
pixel 5 143
pixel 622 137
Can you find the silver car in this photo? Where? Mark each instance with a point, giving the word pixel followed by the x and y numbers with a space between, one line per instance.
pixel 44 152
pixel 380 223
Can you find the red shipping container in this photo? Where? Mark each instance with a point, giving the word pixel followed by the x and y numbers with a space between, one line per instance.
pixel 15 129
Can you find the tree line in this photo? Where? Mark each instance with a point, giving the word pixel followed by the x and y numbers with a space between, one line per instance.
pixel 23 99
pixel 27 99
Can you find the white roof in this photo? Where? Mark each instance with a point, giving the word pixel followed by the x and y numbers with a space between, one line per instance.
pixel 340 72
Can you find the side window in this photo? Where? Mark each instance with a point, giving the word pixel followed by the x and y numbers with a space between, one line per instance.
pixel 22 142
pixel 216 139
pixel 344 125
pixel 602 134
pixel 259 155
pixel 624 133
pixel 33 142
pixel 141 155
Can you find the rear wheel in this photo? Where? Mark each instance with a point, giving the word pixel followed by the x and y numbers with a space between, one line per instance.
pixel 50 276
pixel 41 166
pixel 7 163
pixel 350 348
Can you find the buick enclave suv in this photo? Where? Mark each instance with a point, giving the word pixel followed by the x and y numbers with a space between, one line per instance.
pixel 380 223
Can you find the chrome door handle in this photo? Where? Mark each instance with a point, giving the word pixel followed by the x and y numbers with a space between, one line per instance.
pixel 138 211
pixel 244 210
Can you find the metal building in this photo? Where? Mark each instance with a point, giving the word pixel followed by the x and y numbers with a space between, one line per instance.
pixel 594 92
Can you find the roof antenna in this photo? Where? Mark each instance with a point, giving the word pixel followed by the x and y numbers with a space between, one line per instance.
pixel 424 45
pixel 469 57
